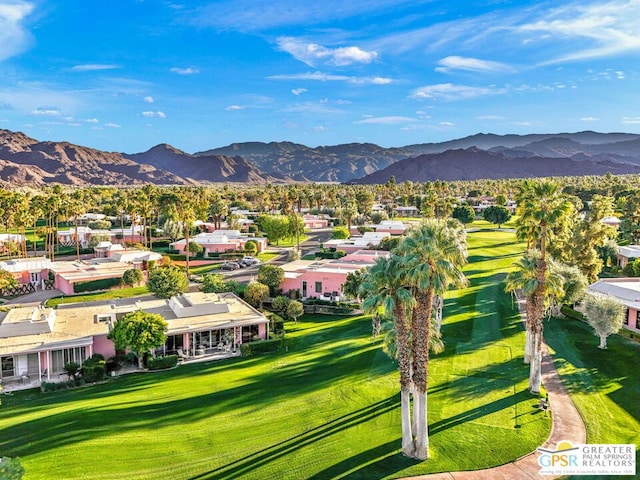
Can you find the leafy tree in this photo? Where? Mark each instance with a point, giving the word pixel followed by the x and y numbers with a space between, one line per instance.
pixel 132 277
pixel 214 283
pixel 280 303
pixel 165 282
pixel 340 233
pixel 464 213
pixel 272 276
pixel 251 247
pixel 389 243
pixel 100 225
pixel 632 268
pixel 255 293
pixel 497 214
pixel 275 227
pixel 501 200
pixel 172 229
pixel 194 248
pixel 7 280
pixel 294 310
pixel 139 331
pixel 605 314
pixel 351 287
pixel 10 469
pixel 96 238
pixel 574 283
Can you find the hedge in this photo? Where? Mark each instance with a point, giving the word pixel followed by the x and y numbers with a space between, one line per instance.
pixel 259 347
pixel 159 363
pixel 94 368
pixel 102 284
pixel 571 313
pixel 54 386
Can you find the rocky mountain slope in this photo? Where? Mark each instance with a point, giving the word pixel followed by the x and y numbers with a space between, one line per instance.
pixel 24 160
pixel 474 163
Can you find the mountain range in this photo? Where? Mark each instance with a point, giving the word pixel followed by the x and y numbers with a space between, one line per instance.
pixel 26 161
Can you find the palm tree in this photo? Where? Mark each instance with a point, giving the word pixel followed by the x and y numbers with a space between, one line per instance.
pixel 384 287
pixel 525 278
pixel 544 210
pixel 434 255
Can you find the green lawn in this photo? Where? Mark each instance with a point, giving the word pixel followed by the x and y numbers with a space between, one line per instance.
pixel 604 384
pixel 94 297
pixel 327 407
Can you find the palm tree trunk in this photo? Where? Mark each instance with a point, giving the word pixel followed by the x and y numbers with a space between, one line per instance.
pixel 603 341
pixel 421 329
pixel 535 372
pixel 438 302
pixel 404 365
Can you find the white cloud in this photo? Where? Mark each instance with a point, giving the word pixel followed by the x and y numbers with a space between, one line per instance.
pixel 328 77
pixel 312 53
pixel 151 113
pixel 235 107
pixel 599 29
pixel 185 71
pixel 111 125
pixel 381 80
pixel 46 111
pixel 453 62
pixel 92 120
pixel 298 91
pixel 313 107
pixel 490 117
pixel 320 128
pixel 448 91
pixel 631 120
pixel 390 120
pixel 447 124
pixel 91 67
pixel 523 124
pixel 588 119
pixel 148 100
pixel 14 38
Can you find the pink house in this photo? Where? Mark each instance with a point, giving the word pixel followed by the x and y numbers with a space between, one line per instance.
pixel 628 254
pixel 325 278
pixel 32 270
pixel 67 274
pixel 314 221
pixel 392 227
pixel 221 241
pixel 36 343
pixel 356 243
pixel 627 291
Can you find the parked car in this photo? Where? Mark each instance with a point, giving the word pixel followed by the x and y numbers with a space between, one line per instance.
pixel 249 260
pixel 230 266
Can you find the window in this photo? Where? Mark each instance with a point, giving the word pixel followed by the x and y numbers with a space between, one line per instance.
pixel 59 358
pixel 103 318
pixel 7 367
pixel 626 316
pixel 318 287
pixel 638 321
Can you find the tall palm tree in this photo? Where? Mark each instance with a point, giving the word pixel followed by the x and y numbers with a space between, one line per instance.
pixel 385 287
pixel 434 256
pixel 525 278
pixel 544 210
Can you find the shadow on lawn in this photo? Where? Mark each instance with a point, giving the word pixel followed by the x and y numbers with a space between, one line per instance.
pixel 289 446
pixel 352 359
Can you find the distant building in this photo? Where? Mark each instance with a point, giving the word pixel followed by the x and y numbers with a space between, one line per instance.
pixel 221 241
pixel 627 292
pixel 353 244
pixel 410 211
pixel 627 254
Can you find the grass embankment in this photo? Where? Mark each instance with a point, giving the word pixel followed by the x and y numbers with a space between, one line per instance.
pixel 96 297
pixel 328 407
pixel 604 384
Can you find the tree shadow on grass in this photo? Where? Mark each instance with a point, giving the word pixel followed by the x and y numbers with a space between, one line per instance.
pixel 288 447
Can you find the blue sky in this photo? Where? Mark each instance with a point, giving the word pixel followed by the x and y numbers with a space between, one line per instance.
pixel 127 75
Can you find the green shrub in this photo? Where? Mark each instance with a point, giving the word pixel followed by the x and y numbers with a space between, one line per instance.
pixel 94 369
pixel 262 346
pixel 159 363
pixel 113 364
pixel 571 313
pixel 55 386
pixel 102 284
pixel 276 322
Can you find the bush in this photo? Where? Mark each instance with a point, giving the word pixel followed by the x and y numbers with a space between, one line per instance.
pixel 113 364
pixel 102 284
pixel 159 363
pixel 94 369
pixel 276 322
pixel 571 313
pixel 263 346
pixel 55 386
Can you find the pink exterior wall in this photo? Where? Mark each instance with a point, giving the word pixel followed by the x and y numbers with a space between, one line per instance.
pixel 331 282
pixel 633 317
pixel 622 261
pixel 104 346
pixel 64 285
pixel 262 331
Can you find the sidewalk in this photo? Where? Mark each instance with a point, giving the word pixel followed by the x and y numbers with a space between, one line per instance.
pixel 567 424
